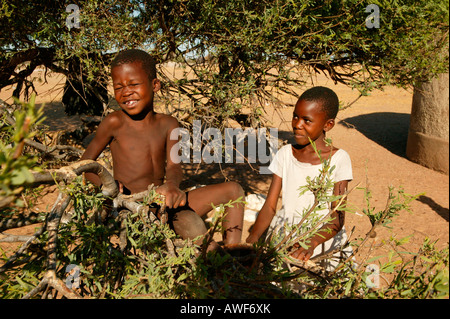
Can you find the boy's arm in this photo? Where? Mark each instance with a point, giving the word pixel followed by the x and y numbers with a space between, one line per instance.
pixel 267 212
pixel 328 230
pixel 174 173
pixel 102 138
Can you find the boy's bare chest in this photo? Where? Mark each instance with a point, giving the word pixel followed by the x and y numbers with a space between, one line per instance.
pixel 134 141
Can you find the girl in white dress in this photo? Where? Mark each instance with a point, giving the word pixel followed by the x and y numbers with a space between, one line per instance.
pixel 313 116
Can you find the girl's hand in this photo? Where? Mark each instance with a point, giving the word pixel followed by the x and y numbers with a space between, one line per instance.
pixel 251 239
pixel 304 254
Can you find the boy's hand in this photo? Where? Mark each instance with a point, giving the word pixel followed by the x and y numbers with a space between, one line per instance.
pixel 175 197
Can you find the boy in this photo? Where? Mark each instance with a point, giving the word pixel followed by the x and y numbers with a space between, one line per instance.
pixel 314 115
pixel 139 139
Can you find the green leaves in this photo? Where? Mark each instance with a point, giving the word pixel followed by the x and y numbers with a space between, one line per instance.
pixel 21 176
pixel 396 203
pixel 15 165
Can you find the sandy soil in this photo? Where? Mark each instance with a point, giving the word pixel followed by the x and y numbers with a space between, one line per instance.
pixel 373 131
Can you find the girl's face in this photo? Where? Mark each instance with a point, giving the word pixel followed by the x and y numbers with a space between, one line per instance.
pixel 133 89
pixel 309 120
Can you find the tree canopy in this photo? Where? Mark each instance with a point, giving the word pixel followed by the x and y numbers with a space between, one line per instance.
pixel 234 53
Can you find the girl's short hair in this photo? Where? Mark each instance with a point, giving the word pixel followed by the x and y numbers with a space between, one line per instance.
pixel 326 97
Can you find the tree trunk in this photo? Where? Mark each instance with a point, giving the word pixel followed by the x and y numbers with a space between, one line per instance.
pixel 429 126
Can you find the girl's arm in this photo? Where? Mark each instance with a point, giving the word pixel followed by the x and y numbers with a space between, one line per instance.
pixel 328 230
pixel 267 212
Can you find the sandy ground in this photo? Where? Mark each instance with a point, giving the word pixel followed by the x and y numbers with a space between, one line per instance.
pixel 373 131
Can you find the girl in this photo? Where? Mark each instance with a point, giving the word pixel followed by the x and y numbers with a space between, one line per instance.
pixel 314 115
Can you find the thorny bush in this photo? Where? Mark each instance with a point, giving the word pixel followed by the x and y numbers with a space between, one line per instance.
pixel 156 263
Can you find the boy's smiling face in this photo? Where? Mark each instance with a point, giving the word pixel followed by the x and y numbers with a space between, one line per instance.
pixel 309 120
pixel 133 89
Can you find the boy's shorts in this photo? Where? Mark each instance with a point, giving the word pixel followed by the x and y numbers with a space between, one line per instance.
pixel 171 212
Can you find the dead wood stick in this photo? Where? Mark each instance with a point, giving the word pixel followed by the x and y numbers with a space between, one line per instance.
pixel 123 230
pixel 53 220
pixel 308 265
pixel 49 150
pixel 6 200
pixel 8 238
pixel 50 279
pixel 23 248
pixel 67 174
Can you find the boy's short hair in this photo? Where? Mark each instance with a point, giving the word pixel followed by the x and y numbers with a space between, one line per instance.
pixel 326 97
pixel 136 55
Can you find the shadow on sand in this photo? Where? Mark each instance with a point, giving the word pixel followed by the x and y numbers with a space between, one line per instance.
pixel 387 129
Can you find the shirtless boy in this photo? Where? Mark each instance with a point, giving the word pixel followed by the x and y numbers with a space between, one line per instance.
pixel 139 139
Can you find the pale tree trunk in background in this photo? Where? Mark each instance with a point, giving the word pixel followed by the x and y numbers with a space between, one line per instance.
pixel 428 138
